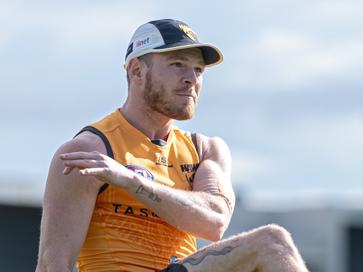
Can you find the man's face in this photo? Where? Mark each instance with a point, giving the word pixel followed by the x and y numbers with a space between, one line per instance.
pixel 173 82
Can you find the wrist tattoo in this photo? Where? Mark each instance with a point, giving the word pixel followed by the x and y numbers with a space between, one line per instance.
pixel 142 191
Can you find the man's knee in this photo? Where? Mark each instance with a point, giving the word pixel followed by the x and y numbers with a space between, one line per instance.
pixel 274 238
pixel 274 232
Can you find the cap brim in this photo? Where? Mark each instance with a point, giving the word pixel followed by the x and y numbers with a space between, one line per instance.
pixel 211 54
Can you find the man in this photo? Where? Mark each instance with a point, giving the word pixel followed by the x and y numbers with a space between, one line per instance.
pixel 132 191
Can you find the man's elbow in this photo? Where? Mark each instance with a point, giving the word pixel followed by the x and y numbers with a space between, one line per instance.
pixel 221 219
pixel 46 263
pixel 215 236
pixel 216 230
pixel 47 267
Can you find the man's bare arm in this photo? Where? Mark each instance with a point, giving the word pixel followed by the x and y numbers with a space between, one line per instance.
pixel 205 211
pixel 67 209
pixel 214 177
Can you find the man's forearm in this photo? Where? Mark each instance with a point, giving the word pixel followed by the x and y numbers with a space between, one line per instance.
pixel 199 213
pixel 203 212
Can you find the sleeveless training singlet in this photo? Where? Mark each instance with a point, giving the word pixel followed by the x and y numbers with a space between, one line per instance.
pixel 124 234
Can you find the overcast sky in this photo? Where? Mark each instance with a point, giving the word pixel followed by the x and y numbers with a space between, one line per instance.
pixel 287 99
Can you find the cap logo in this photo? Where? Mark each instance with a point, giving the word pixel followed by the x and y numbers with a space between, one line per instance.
pixel 188 31
pixel 141 43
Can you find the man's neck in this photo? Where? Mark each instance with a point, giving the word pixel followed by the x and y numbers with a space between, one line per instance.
pixel 152 124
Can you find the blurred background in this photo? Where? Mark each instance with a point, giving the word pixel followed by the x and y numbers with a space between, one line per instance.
pixel 287 99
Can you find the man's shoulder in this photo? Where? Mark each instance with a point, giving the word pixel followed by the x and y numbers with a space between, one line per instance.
pixel 209 140
pixel 85 141
pixel 208 145
pixel 67 185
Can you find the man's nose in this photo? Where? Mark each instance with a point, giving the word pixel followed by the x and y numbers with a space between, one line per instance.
pixel 191 77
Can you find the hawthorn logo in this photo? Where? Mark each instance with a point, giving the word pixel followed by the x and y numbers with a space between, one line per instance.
pixel 189 169
pixel 188 31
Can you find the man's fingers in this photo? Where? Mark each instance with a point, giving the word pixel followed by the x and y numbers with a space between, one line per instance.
pixel 67 170
pixel 97 172
pixel 83 163
pixel 100 173
pixel 81 155
pixel 91 171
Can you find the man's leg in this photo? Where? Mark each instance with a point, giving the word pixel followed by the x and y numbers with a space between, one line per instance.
pixel 265 249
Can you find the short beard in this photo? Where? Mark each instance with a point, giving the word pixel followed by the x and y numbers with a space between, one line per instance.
pixel 157 100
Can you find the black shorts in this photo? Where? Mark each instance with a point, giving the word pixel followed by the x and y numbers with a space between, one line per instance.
pixel 174 268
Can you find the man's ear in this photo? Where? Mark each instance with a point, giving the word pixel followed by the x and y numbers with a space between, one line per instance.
pixel 136 70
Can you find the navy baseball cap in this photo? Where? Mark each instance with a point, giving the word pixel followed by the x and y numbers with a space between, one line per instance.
pixel 169 35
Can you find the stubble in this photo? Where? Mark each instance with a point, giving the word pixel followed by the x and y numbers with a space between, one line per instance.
pixel 159 99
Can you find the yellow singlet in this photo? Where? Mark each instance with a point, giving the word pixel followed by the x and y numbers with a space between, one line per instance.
pixel 124 234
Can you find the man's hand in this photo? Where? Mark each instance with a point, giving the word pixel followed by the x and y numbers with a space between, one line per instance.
pixel 98 165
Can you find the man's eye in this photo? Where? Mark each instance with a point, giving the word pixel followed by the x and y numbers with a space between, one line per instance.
pixel 177 64
pixel 199 70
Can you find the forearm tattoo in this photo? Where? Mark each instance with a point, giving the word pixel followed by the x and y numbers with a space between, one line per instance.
pixel 210 252
pixel 142 191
